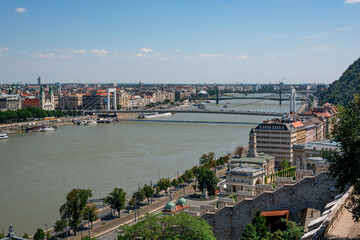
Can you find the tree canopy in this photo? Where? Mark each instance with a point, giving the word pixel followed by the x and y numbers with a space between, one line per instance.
pixel 148 191
pixel 116 199
pixel 345 164
pixel 73 208
pixel 39 235
pixel 206 159
pixel 342 91
pixel 179 226
pixel 206 175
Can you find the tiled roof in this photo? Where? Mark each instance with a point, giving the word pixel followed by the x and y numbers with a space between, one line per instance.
pixel 31 102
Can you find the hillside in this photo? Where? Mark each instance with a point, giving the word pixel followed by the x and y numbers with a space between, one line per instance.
pixel 341 91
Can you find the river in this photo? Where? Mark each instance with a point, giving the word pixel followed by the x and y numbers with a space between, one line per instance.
pixel 37 170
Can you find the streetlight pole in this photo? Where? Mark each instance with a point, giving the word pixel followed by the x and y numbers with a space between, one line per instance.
pixel 89 225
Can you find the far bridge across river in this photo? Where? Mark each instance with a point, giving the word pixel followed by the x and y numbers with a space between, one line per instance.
pixel 257 113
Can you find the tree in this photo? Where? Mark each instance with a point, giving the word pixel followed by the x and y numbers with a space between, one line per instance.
pixel 345 163
pixel 174 182
pixel 179 226
pixel 73 207
pixel 164 184
pixel 139 196
pixel 293 230
pixel 26 236
pixel 206 159
pixel 116 199
pixel 39 235
pixel 149 192
pixel 239 151
pixel 284 164
pixel 89 213
pixel 60 225
pixel 206 175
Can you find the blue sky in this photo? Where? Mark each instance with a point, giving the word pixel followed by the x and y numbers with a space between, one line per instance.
pixel 247 41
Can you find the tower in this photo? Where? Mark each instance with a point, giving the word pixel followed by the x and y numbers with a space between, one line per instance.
pixel 292 100
pixel 252 144
pixel 39 81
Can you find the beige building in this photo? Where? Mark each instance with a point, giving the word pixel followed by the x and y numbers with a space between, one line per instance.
pixel 243 179
pixel 276 139
pixel 47 102
pixel 123 99
pixel 70 102
pixel 10 102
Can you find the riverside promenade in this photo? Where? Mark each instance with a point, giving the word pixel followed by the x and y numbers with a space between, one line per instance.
pixel 127 218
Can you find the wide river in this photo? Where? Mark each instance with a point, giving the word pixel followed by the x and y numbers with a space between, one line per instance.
pixel 37 170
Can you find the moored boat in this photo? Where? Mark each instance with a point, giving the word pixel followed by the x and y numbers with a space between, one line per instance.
pixel 3 136
pixel 153 115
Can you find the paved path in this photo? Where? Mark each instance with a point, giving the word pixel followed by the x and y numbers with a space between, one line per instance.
pixel 345 228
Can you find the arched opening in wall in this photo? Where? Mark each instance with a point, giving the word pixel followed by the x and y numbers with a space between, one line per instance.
pixel 298 162
pixel 308 166
pixel 258 181
pixel 313 168
pixel 307 215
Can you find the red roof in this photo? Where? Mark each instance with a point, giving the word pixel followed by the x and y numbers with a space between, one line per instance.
pixel 275 213
pixel 325 114
pixel 298 124
pixel 31 102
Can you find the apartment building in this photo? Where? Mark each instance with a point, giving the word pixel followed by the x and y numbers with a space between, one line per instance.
pixel 70 102
pixel 277 139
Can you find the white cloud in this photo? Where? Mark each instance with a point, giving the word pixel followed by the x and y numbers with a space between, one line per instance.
pixel 23 52
pixel 212 55
pixel 100 53
pixel 352 1
pixel 147 50
pixel 41 55
pixel 323 34
pixel 80 51
pixel 176 50
pixel 240 57
pixel 21 10
pixel 3 50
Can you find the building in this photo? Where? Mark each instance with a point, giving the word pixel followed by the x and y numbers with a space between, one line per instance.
pixel 10 102
pixel 276 138
pixel 254 159
pixel 94 101
pixel 304 151
pixel 47 102
pixel 70 102
pixel 123 99
pixel 243 180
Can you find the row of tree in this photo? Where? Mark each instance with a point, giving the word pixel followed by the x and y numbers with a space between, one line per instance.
pixel 26 114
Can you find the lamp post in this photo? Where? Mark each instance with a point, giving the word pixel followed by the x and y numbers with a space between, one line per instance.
pixel 46 225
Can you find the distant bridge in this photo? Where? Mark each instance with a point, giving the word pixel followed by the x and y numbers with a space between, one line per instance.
pixel 273 97
pixel 257 113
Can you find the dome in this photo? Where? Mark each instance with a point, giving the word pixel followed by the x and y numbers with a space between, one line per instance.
pixel 182 202
pixel 170 206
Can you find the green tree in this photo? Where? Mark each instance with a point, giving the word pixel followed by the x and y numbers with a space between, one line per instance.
pixel 90 212
pixel 174 182
pixel 249 233
pixel 179 226
pixel 73 207
pixel 164 184
pixel 139 196
pixel 26 236
pixel 345 163
pixel 206 159
pixel 39 235
pixel 116 199
pixel 284 164
pixel 149 192
pixel 206 175
pixel 60 225
pixel 293 230
pixel 258 223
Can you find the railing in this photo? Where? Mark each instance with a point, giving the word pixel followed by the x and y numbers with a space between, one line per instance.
pixel 289 172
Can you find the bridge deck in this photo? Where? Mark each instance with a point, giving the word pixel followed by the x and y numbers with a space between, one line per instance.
pixel 257 113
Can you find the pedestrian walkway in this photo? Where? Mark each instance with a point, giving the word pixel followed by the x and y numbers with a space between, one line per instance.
pixel 345 228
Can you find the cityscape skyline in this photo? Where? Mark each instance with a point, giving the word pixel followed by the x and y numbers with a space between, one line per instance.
pixel 178 42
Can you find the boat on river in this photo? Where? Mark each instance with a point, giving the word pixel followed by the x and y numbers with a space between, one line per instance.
pixel 153 115
pixel 3 136
pixel 47 129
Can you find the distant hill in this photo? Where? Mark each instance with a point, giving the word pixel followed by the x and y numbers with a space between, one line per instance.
pixel 342 91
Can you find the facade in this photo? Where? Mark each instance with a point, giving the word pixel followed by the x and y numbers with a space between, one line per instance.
pixel 311 150
pixel 254 159
pixel 276 139
pixel 31 103
pixel 47 102
pixel 123 100
pixel 10 102
pixel 243 179
pixel 70 102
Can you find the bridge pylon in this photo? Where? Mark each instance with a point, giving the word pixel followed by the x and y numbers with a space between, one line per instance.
pixel 217 95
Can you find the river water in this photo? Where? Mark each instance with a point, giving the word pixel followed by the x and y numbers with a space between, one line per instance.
pixel 37 170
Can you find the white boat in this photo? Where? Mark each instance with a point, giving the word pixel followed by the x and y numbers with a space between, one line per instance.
pixel 47 129
pixel 3 136
pixel 154 115
pixel 91 122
